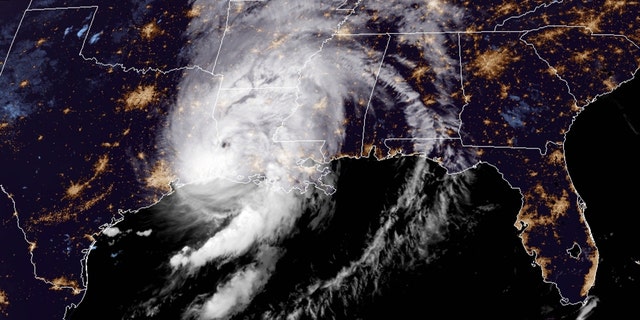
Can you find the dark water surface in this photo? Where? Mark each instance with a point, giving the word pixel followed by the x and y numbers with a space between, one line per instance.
pixel 474 259
pixel 602 156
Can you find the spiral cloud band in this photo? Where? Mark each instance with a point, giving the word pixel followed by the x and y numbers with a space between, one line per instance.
pixel 285 87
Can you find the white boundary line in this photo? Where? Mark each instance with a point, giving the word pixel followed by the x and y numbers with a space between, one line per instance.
pixel 373 88
pixel 542 151
pixel 299 80
pixel 9 196
pixel 351 11
pixel 544 5
pixel 34 245
pixel 15 35
pixel 226 29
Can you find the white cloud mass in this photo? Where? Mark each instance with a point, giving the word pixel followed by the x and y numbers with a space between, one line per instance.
pixel 111 232
pixel 237 291
pixel 255 126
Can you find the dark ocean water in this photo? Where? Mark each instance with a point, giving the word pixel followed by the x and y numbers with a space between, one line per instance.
pixel 472 258
pixel 602 156
pixel 453 244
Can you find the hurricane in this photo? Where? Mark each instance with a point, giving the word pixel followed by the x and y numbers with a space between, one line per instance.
pixel 280 102
pixel 280 90
pixel 284 85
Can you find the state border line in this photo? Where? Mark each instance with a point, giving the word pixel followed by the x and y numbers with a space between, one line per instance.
pixel 226 29
pixel 212 71
pixel 62 8
pixel 196 67
pixel 33 245
pixel 541 150
pixel 373 88
pixel 545 5
pixel 15 35
pixel 336 33
pixel 121 65
pixel 304 66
